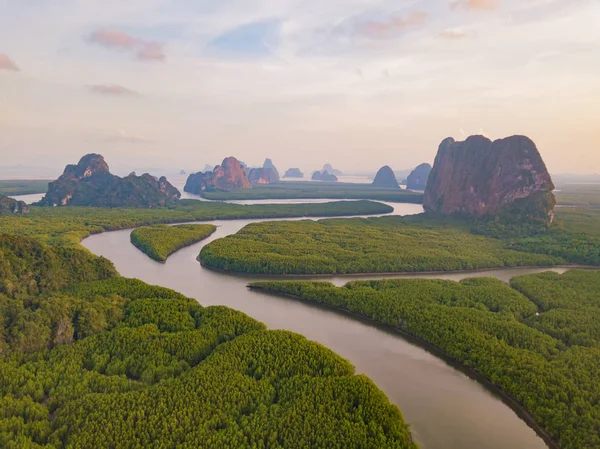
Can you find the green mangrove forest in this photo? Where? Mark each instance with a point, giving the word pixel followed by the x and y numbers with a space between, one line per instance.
pixel 287 190
pixel 92 360
pixel 160 241
pixel 67 226
pixel 537 340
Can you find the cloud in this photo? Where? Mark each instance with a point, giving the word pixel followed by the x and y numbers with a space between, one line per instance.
pixel 140 49
pixel 474 5
pixel 387 28
pixel 122 136
pixel 7 64
pixel 111 89
pixel 453 34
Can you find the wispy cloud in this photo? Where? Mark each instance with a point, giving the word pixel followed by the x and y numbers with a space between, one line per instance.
pixel 453 34
pixel 111 89
pixel 140 49
pixel 7 64
pixel 122 136
pixel 389 27
pixel 474 5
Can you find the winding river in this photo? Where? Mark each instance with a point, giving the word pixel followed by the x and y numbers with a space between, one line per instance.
pixel 446 408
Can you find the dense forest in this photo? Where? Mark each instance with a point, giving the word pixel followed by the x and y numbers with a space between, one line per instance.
pixel 539 341
pixel 370 245
pixel 89 359
pixel 401 244
pixel 67 226
pixel 160 241
pixel 313 190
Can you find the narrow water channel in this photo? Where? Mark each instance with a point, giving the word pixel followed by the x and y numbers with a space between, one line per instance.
pixel 446 408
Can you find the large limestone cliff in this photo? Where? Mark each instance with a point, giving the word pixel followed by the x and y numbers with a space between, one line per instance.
pixel 417 180
pixel 90 183
pixel 481 178
pixel 230 175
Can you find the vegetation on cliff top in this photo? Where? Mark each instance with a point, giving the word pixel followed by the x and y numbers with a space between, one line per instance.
pixel 548 361
pixel 160 241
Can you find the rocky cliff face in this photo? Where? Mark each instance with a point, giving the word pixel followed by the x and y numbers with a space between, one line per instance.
pixel 90 183
pixel 386 179
pixel 230 175
pixel 10 206
pixel 268 165
pixel 293 173
pixel 417 180
pixel 329 169
pixel 480 178
pixel 262 176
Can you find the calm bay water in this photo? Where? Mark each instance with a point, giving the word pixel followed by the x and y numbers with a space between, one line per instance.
pixel 446 408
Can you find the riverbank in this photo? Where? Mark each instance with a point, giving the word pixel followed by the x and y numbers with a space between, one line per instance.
pixel 284 277
pixel 508 399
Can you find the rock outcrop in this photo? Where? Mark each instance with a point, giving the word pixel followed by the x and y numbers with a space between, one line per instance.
pixel 417 180
pixel 262 176
pixel 324 176
pixel 329 169
pixel 90 183
pixel 230 175
pixel 386 178
pixel 265 175
pixel 482 178
pixel 269 165
pixel 10 206
pixel 293 173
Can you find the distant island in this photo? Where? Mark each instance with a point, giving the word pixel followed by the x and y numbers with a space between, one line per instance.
pixel 229 175
pixel 386 179
pixel 267 174
pixel 293 173
pixel 329 169
pixel 417 180
pixel 90 183
pixel 324 176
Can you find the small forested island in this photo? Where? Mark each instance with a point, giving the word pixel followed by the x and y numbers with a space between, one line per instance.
pixel 160 241
pixel 537 342
pixel 374 245
pixel 90 183
pixel 417 179
pixel 293 173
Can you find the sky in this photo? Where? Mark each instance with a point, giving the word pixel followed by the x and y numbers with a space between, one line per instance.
pixel 358 83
